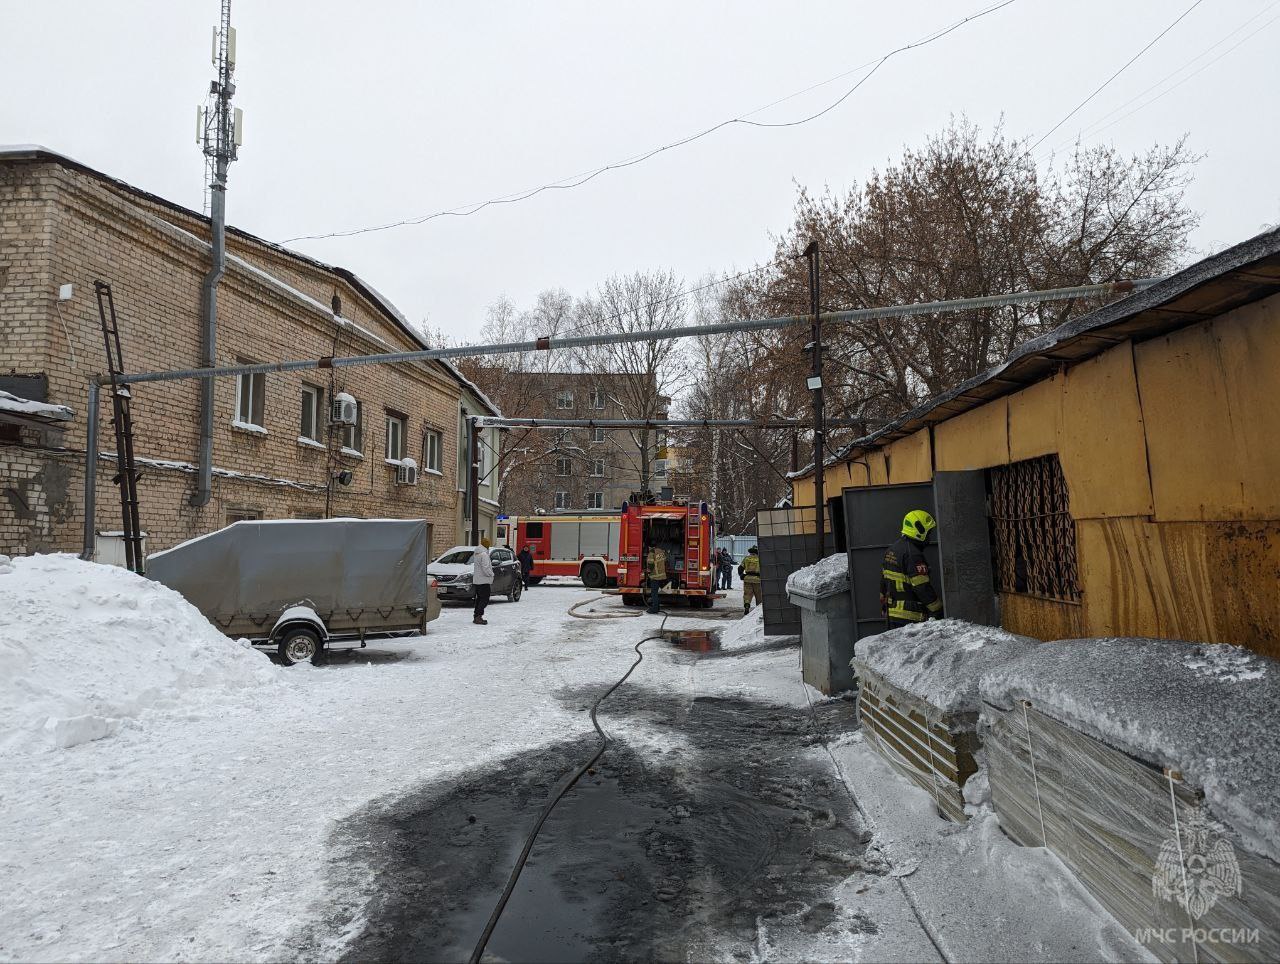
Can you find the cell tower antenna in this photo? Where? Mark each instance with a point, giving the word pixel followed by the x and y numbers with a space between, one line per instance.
pixel 218 124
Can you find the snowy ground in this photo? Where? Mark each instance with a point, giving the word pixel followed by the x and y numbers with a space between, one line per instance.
pixel 206 828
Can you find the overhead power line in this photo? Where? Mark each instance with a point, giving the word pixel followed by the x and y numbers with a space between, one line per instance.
pixel 1103 86
pixel 578 180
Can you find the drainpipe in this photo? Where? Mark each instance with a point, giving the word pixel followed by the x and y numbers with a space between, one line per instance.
pixel 209 335
pixel 220 139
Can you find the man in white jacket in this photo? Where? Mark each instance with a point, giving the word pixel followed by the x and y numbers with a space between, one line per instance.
pixel 481 581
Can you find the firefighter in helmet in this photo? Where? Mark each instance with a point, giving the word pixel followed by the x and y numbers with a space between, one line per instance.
pixel 749 571
pixel 906 592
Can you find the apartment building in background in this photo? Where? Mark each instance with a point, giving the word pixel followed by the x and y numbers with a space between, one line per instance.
pixel 368 441
pixel 576 468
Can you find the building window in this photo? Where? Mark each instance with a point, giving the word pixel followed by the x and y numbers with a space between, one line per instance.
pixel 431 448
pixel 564 398
pixel 597 398
pixel 353 435
pixel 312 407
pixel 597 435
pixel 597 467
pixel 562 500
pixel 1033 533
pixel 564 466
pixel 595 500
pixel 243 514
pixel 397 425
pixel 251 397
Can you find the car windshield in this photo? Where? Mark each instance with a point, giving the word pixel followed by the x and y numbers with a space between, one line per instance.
pixel 462 556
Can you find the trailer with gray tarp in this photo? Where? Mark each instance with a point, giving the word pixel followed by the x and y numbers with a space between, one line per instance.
pixel 299 586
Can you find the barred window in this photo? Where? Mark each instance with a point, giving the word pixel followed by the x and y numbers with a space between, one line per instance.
pixel 1033 533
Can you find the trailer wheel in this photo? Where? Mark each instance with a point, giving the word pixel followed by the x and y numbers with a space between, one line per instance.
pixel 593 575
pixel 298 644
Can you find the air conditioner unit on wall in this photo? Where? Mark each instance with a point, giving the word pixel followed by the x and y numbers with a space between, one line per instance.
pixel 343 411
pixel 407 472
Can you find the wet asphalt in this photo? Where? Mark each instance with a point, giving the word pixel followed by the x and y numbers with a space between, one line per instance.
pixel 656 854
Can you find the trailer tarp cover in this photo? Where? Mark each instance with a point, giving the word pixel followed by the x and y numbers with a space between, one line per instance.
pixel 330 565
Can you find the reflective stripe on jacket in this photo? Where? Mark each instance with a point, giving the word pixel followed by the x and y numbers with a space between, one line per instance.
pixel 905 588
pixel 751 568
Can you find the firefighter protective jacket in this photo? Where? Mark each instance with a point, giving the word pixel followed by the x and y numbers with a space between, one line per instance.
pixel 905 589
pixel 750 568
pixel 655 566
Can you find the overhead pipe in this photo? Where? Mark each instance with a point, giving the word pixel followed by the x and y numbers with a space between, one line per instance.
pixel 546 343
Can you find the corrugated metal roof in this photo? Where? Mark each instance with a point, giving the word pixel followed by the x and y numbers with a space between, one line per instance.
pixel 1240 275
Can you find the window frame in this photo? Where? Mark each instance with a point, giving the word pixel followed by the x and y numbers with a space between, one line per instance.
pixel 561 498
pixel 598 434
pixel 598 399
pixel 565 463
pixel 597 468
pixel 318 414
pixel 595 500
pixel 256 397
pixel 428 465
pixel 353 435
pixel 564 399
pixel 395 455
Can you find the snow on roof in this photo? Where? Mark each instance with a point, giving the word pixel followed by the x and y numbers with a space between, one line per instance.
pixel 941 661
pixel 824 578
pixel 41 411
pixel 1207 711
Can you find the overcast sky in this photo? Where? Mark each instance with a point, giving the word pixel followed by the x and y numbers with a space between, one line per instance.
pixel 362 113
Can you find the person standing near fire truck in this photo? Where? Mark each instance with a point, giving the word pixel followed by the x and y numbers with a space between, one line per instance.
pixel 655 572
pixel 750 573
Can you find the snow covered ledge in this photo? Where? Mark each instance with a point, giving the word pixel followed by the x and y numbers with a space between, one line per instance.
pixel 919 701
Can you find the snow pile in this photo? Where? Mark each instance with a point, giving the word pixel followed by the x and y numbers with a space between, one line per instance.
pixel 941 661
pixel 1205 710
pixel 824 578
pixel 85 647
pixel 747 631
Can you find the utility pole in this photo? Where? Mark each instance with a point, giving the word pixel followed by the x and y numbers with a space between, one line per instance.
pixel 473 477
pixel 815 386
pixel 218 131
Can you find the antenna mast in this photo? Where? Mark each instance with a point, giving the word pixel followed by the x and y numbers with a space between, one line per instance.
pixel 219 127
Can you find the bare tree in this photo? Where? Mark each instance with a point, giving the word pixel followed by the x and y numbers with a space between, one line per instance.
pixel 964 216
pixel 648 374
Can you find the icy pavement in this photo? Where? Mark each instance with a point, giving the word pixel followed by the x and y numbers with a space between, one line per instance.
pixel 300 819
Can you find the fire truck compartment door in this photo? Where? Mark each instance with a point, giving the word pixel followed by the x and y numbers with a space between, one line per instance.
pixel 595 538
pixel 564 540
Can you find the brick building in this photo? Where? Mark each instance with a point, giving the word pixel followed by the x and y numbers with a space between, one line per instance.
pixel 575 468
pixel 276 455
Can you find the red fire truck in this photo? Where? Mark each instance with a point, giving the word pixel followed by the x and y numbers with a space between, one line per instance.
pixel 607 548
pixel 687 532
pixel 582 544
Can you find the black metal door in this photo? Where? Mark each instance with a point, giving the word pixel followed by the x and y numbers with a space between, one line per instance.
pixel 873 522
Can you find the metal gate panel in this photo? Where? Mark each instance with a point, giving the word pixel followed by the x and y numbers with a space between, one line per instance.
pixel 964 539
pixel 788 541
pixel 873 521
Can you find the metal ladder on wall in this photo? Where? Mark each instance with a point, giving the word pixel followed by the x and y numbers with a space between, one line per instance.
pixel 122 421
